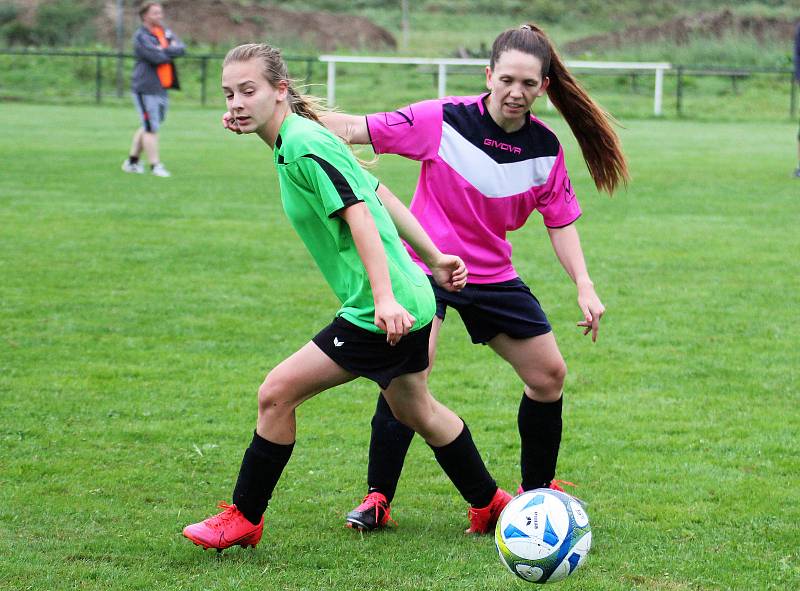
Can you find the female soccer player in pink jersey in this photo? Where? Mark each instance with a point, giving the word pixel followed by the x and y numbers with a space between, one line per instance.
pixel 486 165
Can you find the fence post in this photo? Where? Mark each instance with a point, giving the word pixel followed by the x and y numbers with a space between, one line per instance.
pixel 120 82
pixel 309 70
pixel 203 76
pixel 679 92
pixel 442 80
pixel 98 79
pixel 658 91
pixel 331 83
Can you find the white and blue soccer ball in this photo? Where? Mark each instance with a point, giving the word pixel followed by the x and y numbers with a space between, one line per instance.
pixel 543 535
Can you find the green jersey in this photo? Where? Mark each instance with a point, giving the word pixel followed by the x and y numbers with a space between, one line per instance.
pixel 319 178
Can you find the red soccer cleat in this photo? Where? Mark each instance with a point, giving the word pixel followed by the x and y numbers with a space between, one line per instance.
pixel 483 520
pixel 226 529
pixel 373 513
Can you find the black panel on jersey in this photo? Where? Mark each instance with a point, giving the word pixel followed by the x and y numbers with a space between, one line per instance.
pixel 534 140
pixel 339 182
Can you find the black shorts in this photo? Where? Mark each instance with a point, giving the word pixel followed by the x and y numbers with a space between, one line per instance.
pixel 490 309
pixel 367 354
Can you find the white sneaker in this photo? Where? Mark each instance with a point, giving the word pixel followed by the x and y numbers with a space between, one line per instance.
pixel 129 166
pixel 159 170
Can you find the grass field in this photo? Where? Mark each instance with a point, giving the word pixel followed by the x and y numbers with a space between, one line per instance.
pixel 138 316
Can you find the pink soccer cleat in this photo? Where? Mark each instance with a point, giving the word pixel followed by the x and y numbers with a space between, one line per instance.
pixel 226 529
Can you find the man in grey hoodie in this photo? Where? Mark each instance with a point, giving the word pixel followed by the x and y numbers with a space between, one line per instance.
pixel 155 47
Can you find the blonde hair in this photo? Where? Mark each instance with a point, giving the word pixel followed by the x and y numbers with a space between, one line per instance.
pixel 274 70
pixel 590 124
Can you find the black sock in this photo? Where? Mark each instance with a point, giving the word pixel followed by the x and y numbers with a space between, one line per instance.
pixel 262 466
pixel 388 447
pixel 133 159
pixel 463 464
pixel 540 436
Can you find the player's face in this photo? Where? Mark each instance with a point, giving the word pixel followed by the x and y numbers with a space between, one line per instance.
pixel 154 16
pixel 515 82
pixel 251 100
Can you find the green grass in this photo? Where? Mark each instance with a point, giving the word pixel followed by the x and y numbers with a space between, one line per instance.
pixel 139 316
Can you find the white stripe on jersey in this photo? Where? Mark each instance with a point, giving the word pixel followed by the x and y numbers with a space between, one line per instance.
pixel 486 175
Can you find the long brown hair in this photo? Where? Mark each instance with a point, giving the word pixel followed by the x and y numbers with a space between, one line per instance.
pixel 590 124
pixel 274 70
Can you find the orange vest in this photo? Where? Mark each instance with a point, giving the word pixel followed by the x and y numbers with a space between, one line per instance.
pixel 164 71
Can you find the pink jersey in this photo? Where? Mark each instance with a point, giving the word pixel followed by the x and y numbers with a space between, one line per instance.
pixel 477 181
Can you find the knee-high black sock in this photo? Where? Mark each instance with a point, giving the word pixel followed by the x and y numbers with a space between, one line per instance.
pixel 463 464
pixel 388 447
pixel 540 434
pixel 262 466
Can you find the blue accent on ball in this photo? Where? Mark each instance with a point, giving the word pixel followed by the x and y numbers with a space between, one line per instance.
pixel 537 500
pixel 550 536
pixel 573 560
pixel 514 532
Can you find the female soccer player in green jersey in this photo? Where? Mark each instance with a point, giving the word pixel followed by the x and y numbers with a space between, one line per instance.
pixel 381 330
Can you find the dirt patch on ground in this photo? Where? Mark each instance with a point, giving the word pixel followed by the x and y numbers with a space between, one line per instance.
pixel 223 24
pixel 681 30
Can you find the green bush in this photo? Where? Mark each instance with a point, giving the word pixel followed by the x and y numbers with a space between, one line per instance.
pixel 63 23
pixel 8 14
pixel 17 33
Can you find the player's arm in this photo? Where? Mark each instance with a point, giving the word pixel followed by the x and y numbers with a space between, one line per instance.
pixel 148 49
pixel 389 314
pixel 567 246
pixel 176 47
pixel 351 128
pixel 448 270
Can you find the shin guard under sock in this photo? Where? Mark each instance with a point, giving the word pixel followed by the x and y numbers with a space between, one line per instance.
pixel 540 436
pixel 463 464
pixel 388 446
pixel 261 468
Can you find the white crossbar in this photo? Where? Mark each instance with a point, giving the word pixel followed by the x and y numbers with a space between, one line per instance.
pixel 658 67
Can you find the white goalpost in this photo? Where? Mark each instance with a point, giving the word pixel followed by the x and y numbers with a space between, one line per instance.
pixel 442 64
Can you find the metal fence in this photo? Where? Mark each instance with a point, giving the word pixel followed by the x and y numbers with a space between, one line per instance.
pixel 107 74
pixel 688 90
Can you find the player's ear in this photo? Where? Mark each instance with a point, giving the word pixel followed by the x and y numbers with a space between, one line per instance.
pixel 544 86
pixel 488 78
pixel 282 89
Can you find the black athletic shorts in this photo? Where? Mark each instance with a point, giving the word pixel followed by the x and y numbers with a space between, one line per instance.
pixel 367 354
pixel 490 309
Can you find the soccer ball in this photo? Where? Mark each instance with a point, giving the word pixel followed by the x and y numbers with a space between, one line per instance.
pixel 543 535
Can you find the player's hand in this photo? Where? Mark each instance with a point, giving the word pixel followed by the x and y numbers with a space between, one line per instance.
pixel 229 123
pixel 592 309
pixel 394 319
pixel 449 272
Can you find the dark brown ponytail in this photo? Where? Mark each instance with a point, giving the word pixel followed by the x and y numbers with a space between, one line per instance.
pixel 590 124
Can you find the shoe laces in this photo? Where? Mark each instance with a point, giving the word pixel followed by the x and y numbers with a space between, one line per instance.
pixel 220 520
pixel 557 484
pixel 377 500
pixel 373 499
